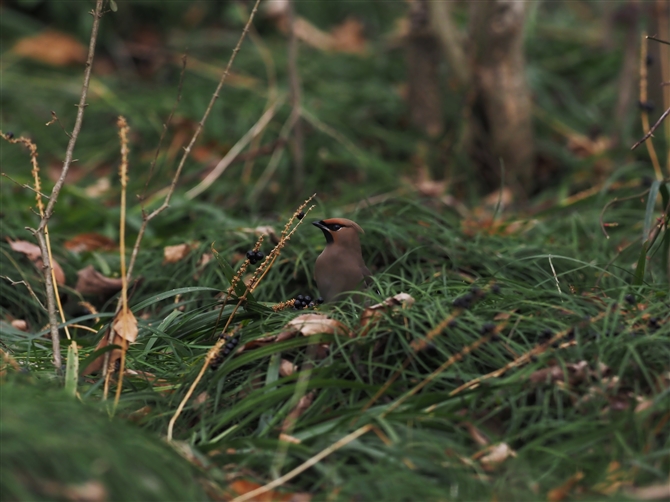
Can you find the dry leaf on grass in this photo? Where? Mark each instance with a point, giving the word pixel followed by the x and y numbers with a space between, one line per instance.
pixel 287 368
pixel 563 491
pixel 20 324
pixel 89 242
pixel 33 253
pixel 289 439
pixel 373 314
pixel 173 254
pixel 51 47
pixel 125 333
pixel 495 455
pixel 302 406
pixel 125 326
pixel 314 324
pixel 92 282
pixel 652 492
pixel 242 486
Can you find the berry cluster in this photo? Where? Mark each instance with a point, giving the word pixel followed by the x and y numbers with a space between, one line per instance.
pixel 255 256
pixel 302 302
pixel 230 345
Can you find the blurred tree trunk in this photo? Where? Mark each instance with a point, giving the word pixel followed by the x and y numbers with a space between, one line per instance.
pixel 423 60
pixel 502 118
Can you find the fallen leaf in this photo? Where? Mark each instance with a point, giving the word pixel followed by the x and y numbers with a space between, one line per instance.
pixel 560 493
pixel 92 282
pixel 652 492
pixel 373 314
pixel 32 251
pixel 20 324
pixel 89 242
pixel 243 486
pixel 98 188
pixel 348 37
pixel 287 368
pixel 289 439
pixel 496 455
pixel 302 406
pixel 174 254
pixel 314 324
pixel 51 47
pixel 125 326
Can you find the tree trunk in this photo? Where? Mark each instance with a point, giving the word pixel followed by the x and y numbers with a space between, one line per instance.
pixel 423 60
pixel 502 128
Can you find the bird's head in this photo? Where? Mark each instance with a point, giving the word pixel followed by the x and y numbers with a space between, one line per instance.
pixel 340 231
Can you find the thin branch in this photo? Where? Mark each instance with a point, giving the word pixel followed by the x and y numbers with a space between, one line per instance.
pixel 652 37
pixel 644 116
pixel 652 129
pixel 41 233
pixel 187 151
pixel 166 124
pixel 297 143
pixel 228 159
pixel 54 118
pixel 97 15
pixel 24 185
pixel 27 285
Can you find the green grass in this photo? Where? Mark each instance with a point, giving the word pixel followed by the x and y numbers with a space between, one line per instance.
pixel 558 273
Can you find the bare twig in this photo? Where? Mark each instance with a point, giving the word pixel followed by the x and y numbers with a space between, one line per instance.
pixel 24 185
pixel 643 114
pixel 41 233
pixel 97 14
pixel 187 151
pixel 27 285
pixel 54 118
pixel 652 37
pixel 166 124
pixel 652 129
pixel 228 159
pixel 297 143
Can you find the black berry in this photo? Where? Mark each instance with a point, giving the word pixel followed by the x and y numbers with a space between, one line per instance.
pixel 629 299
pixel 319 300
pixel 9 135
pixel 487 328
pixel 300 215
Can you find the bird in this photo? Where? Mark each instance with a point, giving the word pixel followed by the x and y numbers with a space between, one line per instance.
pixel 340 267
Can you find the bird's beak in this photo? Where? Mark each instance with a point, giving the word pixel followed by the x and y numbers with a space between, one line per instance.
pixel 320 225
pixel 325 230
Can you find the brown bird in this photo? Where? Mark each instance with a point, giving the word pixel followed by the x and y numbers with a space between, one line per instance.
pixel 340 267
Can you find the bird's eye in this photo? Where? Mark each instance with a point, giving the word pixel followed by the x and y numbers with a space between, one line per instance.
pixel 335 227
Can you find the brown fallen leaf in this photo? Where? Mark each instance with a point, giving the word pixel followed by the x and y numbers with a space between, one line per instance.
pixel 652 492
pixel 373 314
pixel 89 242
pixel 92 282
pixel 563 491
pixel 51 47
pixel 496 455
pixel 33 253
pixel 289 439
pixel 243 486
pixel 287 368
pixel 20 324
pixel 125 326
pixel 314 324
pixel 125 332
pixel 174 254
pixel 302 406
